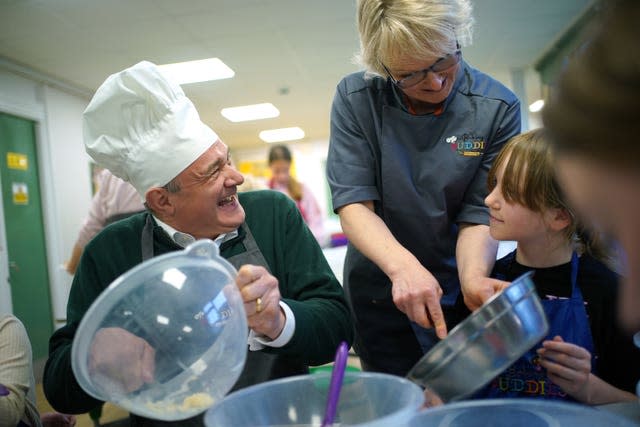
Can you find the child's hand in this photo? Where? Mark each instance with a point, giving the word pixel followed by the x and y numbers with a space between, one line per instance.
pixel 567 365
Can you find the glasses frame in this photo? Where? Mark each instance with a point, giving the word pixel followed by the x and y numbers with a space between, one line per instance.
pixel 435 68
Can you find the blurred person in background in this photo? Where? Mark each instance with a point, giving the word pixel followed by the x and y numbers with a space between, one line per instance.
pixel 280 161
pixel 593 117
pixel 412 139
pixel 115 199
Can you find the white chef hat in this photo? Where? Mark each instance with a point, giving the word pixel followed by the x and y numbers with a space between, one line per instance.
pixel 143 128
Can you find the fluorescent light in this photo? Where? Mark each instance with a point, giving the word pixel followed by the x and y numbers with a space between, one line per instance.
pixel 536 106
pixel 201 70
pixel 284 134
pixel 250 112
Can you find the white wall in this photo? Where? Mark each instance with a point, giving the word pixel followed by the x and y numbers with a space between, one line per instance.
pixel 64 170
pixel 70 180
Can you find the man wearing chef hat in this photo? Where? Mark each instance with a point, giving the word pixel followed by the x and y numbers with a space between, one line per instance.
pixel 145 130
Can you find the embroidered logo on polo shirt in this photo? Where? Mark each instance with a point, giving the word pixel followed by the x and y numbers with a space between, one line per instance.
pixel 467 145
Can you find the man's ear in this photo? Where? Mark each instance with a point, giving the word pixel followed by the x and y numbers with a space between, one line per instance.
pixel 560 218
pixel 159 202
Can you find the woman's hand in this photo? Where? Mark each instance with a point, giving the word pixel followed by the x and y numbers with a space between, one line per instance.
pixel 475 254
pixel 417 294
pixel 567 365
pixel 261 296
pixel 476 291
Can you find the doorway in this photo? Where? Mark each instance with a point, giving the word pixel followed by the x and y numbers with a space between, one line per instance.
pixel 21 209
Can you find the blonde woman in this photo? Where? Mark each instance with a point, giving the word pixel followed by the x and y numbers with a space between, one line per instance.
pixel 412 139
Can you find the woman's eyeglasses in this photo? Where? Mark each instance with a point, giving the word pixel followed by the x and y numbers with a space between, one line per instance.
pixel 416 77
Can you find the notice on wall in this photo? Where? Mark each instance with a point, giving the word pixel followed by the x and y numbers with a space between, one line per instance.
pixel 17 161
pixel 20 193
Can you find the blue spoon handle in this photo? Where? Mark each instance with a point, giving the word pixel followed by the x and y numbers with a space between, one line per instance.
pixel 3 390
pixel 337 375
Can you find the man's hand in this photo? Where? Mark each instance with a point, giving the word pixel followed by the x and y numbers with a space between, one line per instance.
pixel 123 358
pixel 261 297
pixel 417 294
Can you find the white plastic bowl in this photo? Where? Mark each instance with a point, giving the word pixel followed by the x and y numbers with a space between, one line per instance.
pixel 187 307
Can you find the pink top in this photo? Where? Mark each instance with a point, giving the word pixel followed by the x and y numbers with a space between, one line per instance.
pixel 114 197
pixel 309 208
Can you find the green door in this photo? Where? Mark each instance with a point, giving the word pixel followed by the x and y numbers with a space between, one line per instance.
pixel 28 275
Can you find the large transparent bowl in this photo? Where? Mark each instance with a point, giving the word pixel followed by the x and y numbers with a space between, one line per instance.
pixel 517 412
pixel 366 399
pixel 485 343
pixel 186 306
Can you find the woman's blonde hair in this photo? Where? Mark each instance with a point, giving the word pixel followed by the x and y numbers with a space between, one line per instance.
pixel 420 28
pixel 529 180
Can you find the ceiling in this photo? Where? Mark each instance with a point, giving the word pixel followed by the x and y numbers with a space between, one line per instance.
pixel 291 53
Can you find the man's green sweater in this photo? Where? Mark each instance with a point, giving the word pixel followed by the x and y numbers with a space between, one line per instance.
pixel 307 285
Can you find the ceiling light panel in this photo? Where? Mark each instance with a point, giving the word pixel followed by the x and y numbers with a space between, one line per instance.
pixel 250 112
pixel 283 134
pixel 201 70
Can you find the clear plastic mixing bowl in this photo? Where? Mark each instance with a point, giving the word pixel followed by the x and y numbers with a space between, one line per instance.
pixel 186 307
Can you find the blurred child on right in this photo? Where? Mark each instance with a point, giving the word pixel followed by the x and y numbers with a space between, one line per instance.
pixel 585 357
